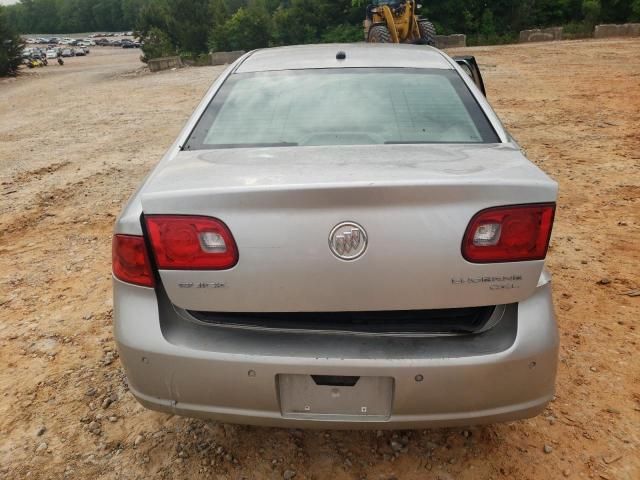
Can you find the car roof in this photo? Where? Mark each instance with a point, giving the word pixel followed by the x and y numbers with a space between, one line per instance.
pixel 356 55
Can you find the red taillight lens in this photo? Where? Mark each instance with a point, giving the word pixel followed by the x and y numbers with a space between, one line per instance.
pixel 183 242
pixel 130 260
pixel 509 234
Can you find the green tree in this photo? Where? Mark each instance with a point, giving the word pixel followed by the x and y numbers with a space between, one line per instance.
pixel 189 24
pixel 219 14
pixel 343 33
pixel 151 15
pixel 288 29
pixel 247 29
pixel 10 47
pixel 157 44
pixel 305 21
pixel 70 17
pixel 635 10
pixel 151 26
pixel 192 26
pixel 591 10
pixel 130 11
pixel 487 25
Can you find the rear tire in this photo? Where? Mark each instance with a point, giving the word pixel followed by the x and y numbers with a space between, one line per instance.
pixel 427 32
pixel 379 34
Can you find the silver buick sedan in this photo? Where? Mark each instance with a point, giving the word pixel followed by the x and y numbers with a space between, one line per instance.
pixel 341 236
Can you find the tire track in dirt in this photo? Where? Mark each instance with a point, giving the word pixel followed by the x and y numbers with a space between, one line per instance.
pixel 55 202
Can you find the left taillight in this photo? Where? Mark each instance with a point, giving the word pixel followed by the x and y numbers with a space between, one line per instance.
pixel 131 261
pixel 191 242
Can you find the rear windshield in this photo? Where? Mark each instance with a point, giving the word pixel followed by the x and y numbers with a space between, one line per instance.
pixel 357 106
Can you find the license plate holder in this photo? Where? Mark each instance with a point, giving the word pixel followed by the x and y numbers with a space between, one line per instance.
pixel 370 399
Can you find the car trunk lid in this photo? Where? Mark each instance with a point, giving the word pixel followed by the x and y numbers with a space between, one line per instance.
pixel 413 202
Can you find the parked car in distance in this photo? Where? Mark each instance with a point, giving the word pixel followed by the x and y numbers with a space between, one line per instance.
pixel 79 52
pixel 52 54
pixel 127 44
pixel 33 53
pixel 67 52
pixel 341 236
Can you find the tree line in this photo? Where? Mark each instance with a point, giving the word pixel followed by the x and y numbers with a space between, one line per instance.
pixel 73 16
pixel 193 27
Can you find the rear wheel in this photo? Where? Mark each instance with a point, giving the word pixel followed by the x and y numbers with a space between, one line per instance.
pixel 379 34
pixel 427 32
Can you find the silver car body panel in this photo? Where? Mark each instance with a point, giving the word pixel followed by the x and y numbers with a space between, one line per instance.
pixel 128 222
pixel 357 56
pixel 420 204
pixel 405 196
pixel 232 375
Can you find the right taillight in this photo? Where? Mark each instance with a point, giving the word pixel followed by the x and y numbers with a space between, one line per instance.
pixel 509 234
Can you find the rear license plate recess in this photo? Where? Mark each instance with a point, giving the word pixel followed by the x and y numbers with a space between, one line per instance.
pixel 325 397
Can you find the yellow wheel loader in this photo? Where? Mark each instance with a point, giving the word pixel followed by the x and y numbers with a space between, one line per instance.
pixel 396 21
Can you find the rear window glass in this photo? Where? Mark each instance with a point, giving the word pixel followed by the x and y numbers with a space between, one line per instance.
pixel 341 107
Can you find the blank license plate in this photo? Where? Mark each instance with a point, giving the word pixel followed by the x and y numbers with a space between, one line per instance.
pixel 370 398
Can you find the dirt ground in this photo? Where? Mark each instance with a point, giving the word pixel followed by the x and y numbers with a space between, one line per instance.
pixel 76 140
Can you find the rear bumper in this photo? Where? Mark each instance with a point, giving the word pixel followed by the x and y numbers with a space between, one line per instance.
pixel 231 376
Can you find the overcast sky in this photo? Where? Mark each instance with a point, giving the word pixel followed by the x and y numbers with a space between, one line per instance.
pixel 7 2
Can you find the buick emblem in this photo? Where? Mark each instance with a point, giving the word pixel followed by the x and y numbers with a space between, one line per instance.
pixel 348 240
